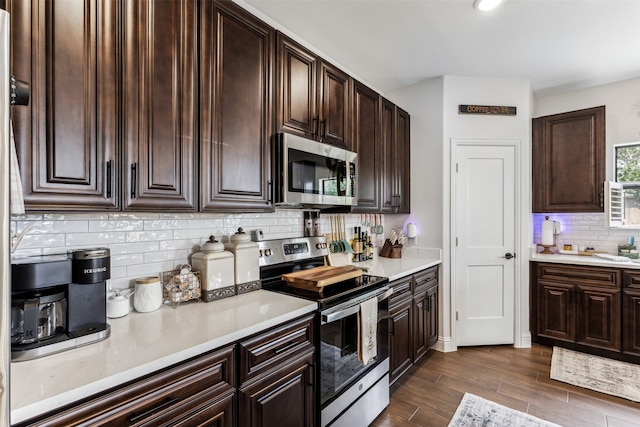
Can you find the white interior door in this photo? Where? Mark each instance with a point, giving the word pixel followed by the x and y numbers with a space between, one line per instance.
pixel 484 215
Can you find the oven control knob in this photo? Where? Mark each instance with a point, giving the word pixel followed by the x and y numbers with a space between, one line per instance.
pixel 319 246
pixel 268 252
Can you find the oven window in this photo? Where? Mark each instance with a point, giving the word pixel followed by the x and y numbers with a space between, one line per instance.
pixel 339 364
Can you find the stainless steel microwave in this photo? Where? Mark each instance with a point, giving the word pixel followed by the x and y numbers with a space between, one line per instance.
pixel 312 173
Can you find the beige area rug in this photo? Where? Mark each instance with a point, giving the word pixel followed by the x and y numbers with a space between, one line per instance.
pixel 596 373
pixel 474 411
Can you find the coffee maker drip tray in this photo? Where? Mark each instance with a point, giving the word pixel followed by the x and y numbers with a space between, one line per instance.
pixel 60 342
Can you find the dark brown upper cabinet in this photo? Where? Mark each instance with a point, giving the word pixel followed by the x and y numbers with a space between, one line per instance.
pixel 367 142
pixel 569 161
pixel 236 109
pixel 67 138
pixel 160 110
pixel 313 95
pixel 395 187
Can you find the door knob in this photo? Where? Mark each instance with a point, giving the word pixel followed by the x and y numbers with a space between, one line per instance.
pixel 509 255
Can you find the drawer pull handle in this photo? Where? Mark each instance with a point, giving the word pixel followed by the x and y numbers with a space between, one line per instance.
pixel 286 347
pixel 168 402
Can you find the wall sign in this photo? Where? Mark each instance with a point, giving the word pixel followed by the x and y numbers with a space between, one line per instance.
pixel 491 110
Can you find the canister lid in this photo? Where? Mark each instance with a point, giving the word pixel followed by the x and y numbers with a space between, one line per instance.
pixel 240 237
pixel 147 280
pixel 212 245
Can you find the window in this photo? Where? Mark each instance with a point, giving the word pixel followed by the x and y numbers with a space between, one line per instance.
pixel 623 203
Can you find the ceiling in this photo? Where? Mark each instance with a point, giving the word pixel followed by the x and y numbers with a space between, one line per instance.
pixel 389 44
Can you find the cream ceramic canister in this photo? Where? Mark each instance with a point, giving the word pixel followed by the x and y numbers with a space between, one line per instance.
pixel 148 294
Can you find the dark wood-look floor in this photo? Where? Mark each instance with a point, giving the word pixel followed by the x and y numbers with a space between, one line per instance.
pixel 428 395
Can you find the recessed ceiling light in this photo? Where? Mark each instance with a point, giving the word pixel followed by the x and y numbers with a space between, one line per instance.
pixel 486 4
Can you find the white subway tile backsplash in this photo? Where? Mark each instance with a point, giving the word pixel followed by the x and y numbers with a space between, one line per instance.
pixel 166 224
pixel 119 225
pixel 149 236
pixel 147 243
pixel 31 241
pixel 95 239
pixel 144 244
pixel 151 269
pixel 585 229
pixel 124 260
pixel 179 255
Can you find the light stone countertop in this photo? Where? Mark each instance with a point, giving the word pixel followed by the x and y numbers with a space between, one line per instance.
pixel 582 260
pixel 413 260
pixel 142 343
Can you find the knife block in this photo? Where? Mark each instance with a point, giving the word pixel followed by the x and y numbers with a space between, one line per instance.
pixel 390 251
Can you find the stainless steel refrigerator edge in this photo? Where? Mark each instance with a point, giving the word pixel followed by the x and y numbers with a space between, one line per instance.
pixel 5 256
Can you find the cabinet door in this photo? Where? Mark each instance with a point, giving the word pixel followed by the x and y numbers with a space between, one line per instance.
pixel 569 161
pixel 284 398
pixel 420 325
pixel 67 137
pixel 556 310
pixel 236 108
pixel 387 157
pixel 366 142
pixel 297 73
pixel 598 317
pixel 400 350
pixel 402 164
pixel 160 104
pixel 631 322
pixel 432 316
pixel 335 115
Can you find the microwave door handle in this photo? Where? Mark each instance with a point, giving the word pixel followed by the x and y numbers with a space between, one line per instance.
pixel 351 310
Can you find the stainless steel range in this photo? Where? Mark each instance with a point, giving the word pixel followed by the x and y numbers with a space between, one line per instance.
pixel 350 393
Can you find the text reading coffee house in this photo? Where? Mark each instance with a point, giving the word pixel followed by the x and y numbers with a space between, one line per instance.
pixel 267 213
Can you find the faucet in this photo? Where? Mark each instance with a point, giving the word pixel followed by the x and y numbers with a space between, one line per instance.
pixel 16 238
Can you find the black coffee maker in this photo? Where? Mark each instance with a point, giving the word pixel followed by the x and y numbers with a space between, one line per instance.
pixel 58 302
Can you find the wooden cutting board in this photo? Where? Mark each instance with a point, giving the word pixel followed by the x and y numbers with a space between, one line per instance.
pixel 320 277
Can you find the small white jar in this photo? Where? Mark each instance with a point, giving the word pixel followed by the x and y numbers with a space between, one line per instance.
pixel 148 294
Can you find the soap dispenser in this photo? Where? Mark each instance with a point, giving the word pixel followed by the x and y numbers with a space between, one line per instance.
pixel 217 270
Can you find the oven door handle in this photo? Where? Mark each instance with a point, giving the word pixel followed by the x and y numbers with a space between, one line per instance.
pixel 337 315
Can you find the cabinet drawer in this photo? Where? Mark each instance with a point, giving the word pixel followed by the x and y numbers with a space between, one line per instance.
pixel 161 397
pixel 580 275
pixel 401 291
pixel 425 278
pixel 631 279
pixel 265 351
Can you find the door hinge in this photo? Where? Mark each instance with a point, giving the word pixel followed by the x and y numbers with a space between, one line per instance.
pixel 456 315
pixel 456 167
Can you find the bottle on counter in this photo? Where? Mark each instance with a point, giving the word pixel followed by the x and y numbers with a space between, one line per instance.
pixel 356 245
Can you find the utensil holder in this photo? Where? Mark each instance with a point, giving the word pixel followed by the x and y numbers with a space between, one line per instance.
pixel 390 251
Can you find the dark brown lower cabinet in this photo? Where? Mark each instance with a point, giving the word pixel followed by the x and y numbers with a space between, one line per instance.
pixel 275 369
pixel 276 376
pixel 413 320
pixel 186 394
pixel 284 398
pixel 584 308
pixel 400 324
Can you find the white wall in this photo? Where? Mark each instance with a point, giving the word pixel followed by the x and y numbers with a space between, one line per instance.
pixel 435 122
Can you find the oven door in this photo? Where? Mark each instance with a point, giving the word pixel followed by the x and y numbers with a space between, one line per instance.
pixel 339 364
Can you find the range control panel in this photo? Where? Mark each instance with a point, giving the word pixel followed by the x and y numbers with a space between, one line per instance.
pixel 282 250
